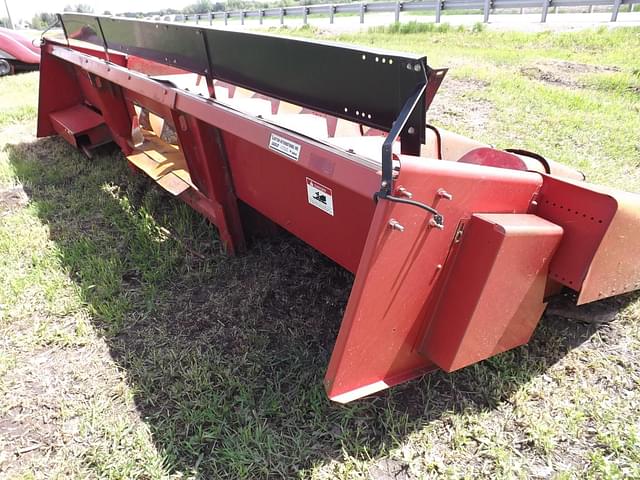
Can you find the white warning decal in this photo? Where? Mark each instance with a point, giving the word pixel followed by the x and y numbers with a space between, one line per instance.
pixel 284 146
pixel 320 196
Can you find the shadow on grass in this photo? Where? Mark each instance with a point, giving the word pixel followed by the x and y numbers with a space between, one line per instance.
pixel 227 354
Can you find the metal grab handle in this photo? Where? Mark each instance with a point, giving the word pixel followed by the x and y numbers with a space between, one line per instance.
pixel 438 219
pixel 387 160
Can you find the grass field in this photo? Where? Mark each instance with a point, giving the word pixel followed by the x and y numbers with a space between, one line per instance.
pixel 132 347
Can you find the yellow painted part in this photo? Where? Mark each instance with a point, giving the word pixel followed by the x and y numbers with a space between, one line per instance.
pixel 243 93
pixel 285 107
pixel 156 123
pixel 163 162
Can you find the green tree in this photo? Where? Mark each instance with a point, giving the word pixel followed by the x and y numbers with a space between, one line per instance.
pixel 42 20
pixel 80 8
pixel 202 6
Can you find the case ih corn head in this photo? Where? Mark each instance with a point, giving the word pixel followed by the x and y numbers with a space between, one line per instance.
pixel 455 245
pixel 17 52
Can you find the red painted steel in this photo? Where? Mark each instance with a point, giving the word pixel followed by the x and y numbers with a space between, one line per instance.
pixel 55 96
pixel 599 253
pixel 208 163
pixel 80 121
pixel 18 50
pixel 422 295
pixel 494 158
pixel 474 319
pixel 276 186
pixel 398 280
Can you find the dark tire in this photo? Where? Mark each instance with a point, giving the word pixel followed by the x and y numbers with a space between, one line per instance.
pixel 5 67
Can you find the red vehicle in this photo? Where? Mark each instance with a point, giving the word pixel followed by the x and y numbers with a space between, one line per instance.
pixel 456 246
pixel 17 53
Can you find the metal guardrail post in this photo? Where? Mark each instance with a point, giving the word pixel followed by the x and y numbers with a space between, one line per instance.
pixel 487 9
pixel 396 7
pixel 545 10
pixel 616 9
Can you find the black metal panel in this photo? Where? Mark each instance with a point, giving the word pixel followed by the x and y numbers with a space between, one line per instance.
pixel 175 45
pixel 359 84
pixel 85 28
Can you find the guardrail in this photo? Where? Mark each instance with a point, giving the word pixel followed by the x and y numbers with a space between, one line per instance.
pixel 435 6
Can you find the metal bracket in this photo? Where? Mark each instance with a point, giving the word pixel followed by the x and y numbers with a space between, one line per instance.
pixel 427 92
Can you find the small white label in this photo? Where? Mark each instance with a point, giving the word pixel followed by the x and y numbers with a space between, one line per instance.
pixel 320 196
pixel 284 146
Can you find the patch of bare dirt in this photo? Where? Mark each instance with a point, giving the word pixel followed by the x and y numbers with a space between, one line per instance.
pixel 19 132
pixel 563 73
pixel 12 199
pixel 389 469
pixel 455 108
pixel 564 306
pixel 40 399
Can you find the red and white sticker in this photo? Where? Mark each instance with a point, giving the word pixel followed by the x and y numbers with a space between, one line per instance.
pixel 320 196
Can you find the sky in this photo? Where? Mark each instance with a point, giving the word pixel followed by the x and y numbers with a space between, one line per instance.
pixel 24 10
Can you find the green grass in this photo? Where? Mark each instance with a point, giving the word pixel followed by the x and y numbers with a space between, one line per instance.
pixel 19 102
pixel 133 347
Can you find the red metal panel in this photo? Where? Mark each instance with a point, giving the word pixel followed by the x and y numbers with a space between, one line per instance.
pixel 399 274
pixel 149 67
pixel 276 186
pixel 77 119
pixel 19 47
pixel 358 174
pixel 61 90
pixel 585 215
pixel 80 120
pixel 615 268
pixel 55 95
pixel 107 97
pixel 493 158
pixel 207 160
pixel 597 253
pixel 493 294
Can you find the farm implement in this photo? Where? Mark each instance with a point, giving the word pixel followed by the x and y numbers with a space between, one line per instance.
pixel 456 246
pixel 17 53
